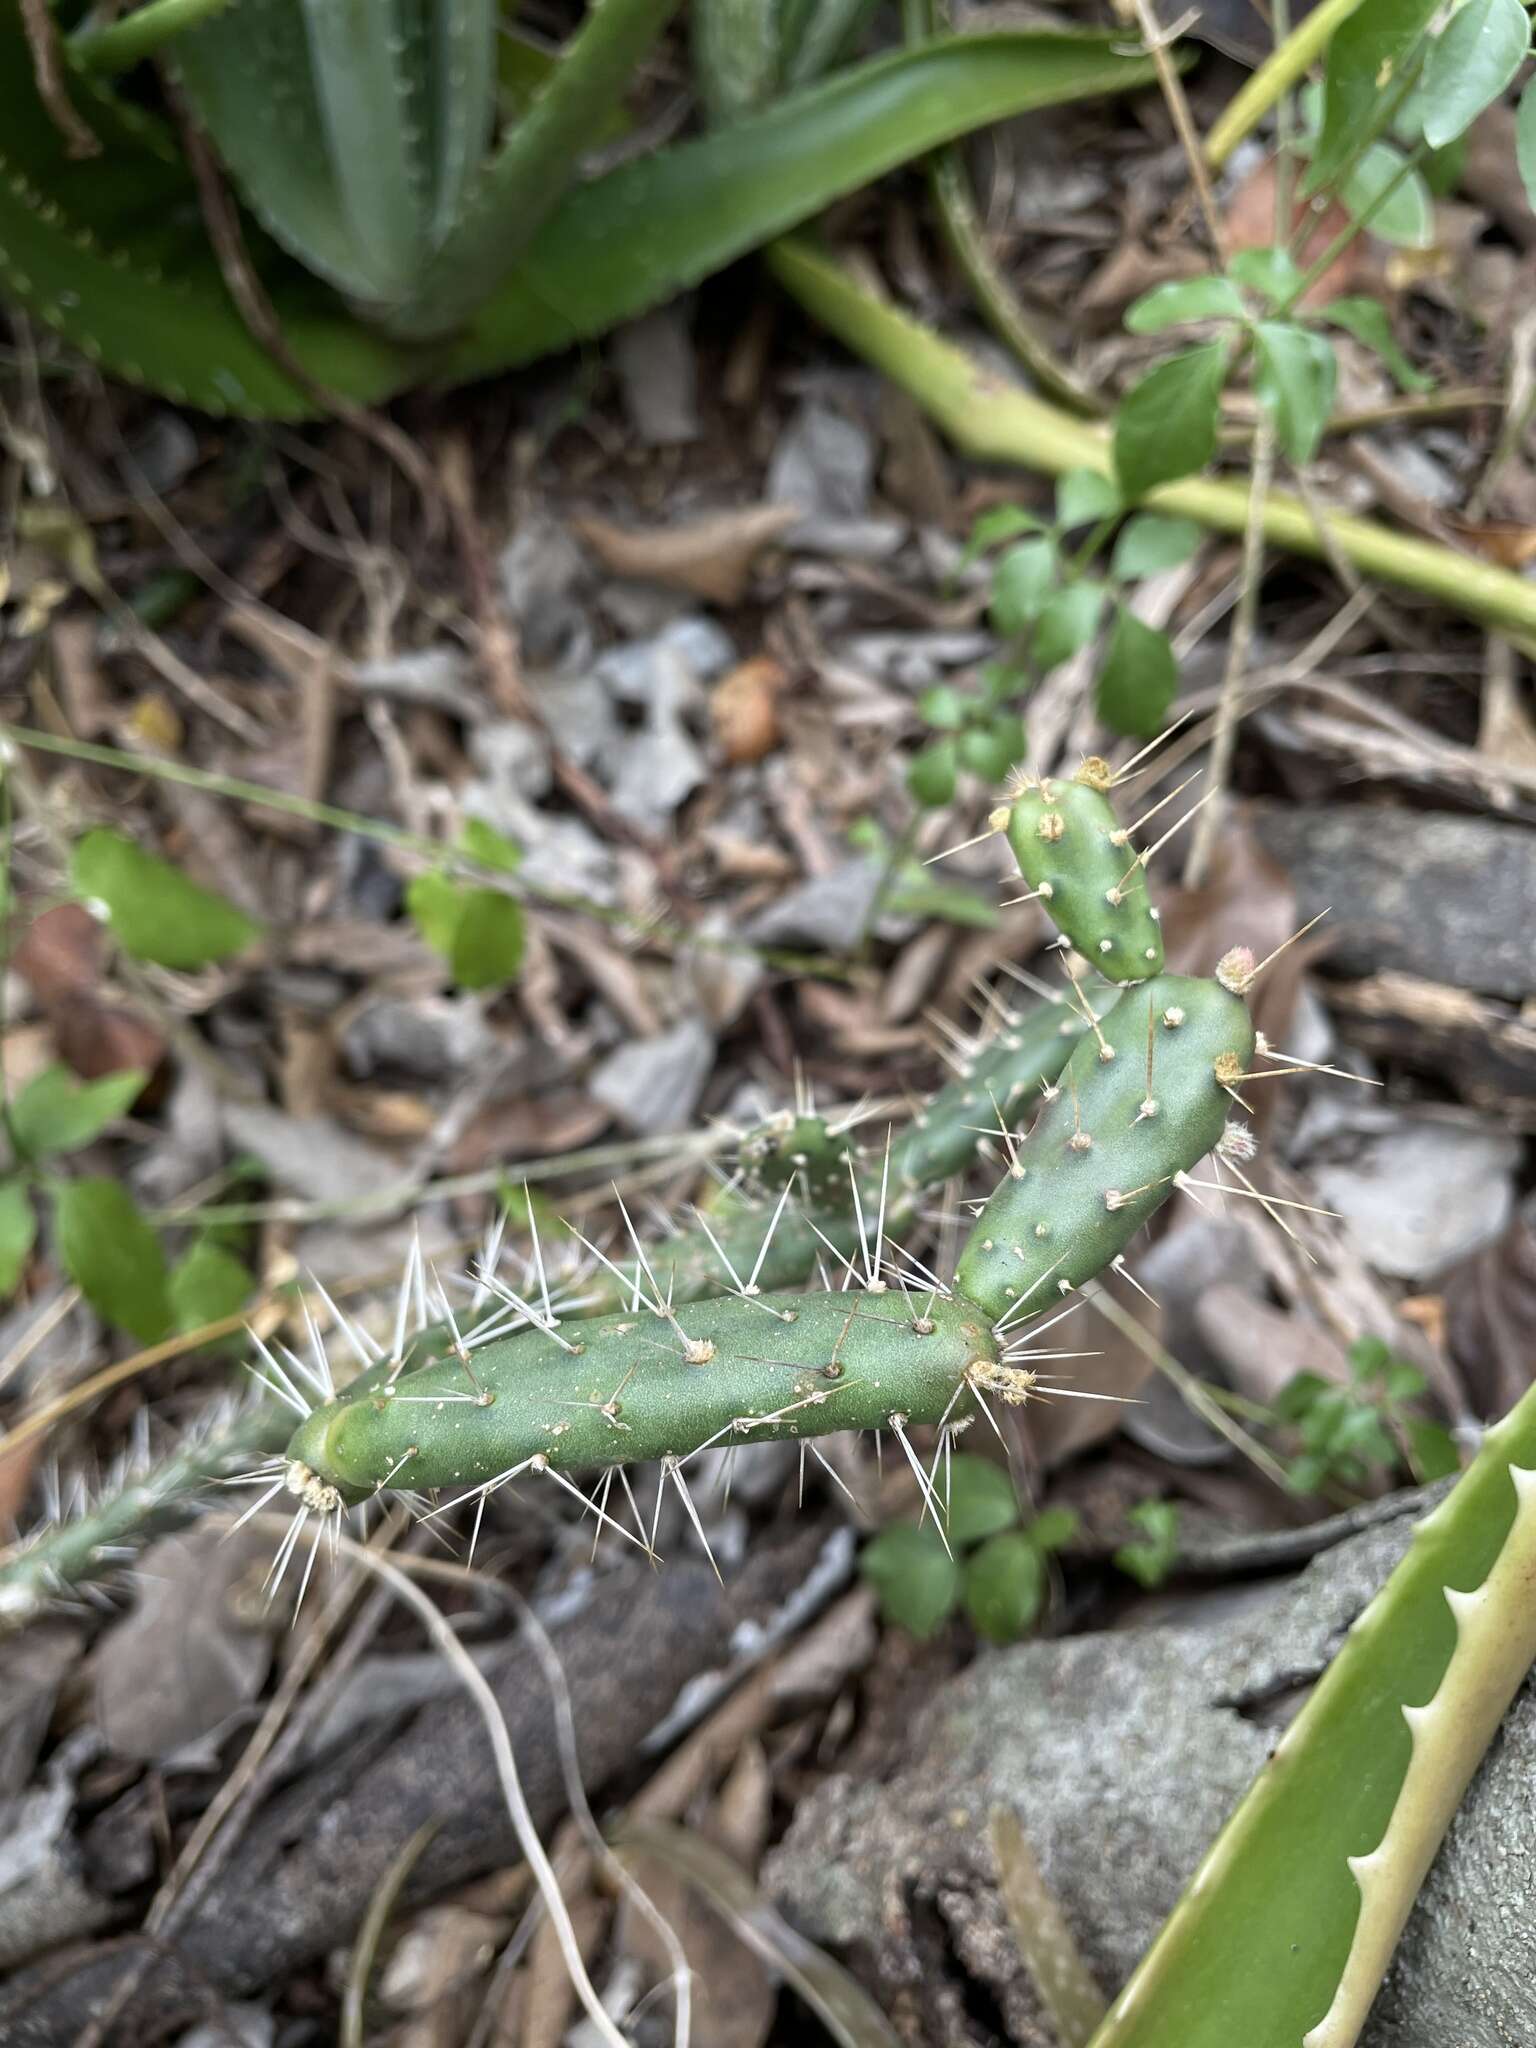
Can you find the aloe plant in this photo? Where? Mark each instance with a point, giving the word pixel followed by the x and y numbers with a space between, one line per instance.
pixel 401 239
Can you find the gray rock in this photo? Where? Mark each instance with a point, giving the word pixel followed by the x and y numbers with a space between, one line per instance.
pixel 431 1038
pixel 658 375
pixel 512 758
pixel 654 1084
pixel 1122 1754
pixel 543 577
pixel 827 911
pixel 825 465
pixel 1419 1195
pixel 1446 898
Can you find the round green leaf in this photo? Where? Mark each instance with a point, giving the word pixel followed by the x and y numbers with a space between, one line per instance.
pixel 1083 497
pixel 492 849
pixel 1272 273
pixel 931 774
pixel 208 1285
pixel 113 1257
pixel 917 1580
pixel 1471 62
pixel 1166 425
pixel 18 1233
pixel 986 753
pixel 1005 1587
pixel 1185 299
pixel 1405 216
pixel 56 1113
pixel 981 1500
pixel 1020 582
pixel 1067 622
pixel 1294 382
pixel 1149 543
pixel 156 912
pixel 943 707
pixel 1054 1528
pixel 488 940
pixel 1139 678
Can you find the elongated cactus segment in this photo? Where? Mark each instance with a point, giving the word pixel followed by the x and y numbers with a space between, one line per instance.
pixel 1287 1927
pixel 1141 1101
pixel 1078 857
pixel 804 1151
pixel 1027 1054
pixel 651 1384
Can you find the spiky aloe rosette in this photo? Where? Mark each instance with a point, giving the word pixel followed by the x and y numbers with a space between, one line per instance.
pixel 889 1345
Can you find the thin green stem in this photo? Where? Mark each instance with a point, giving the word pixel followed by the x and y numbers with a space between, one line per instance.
pixel 1347 234
pixel 453 859
pixel 1293 58
pixel 992 421
pixel 138 35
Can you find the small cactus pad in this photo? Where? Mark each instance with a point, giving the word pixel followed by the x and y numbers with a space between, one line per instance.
pixel 647 1385
pixel 1142 1099
pixel 804 1150
pixel 942 1139
pixel 1074 851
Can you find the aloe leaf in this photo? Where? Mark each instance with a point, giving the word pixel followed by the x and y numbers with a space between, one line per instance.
pixel 736 53
pixel 523 183
pixel 110 252
pixel 657 225
pixel 463 108
pixel 307 104
pixel 614 248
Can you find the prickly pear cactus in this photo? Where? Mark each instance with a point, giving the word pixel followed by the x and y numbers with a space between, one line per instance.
pixel 1078 858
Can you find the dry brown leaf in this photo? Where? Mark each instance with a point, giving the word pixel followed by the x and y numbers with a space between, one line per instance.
pixel 1249 223
pixel 61 957
pixel 193 1649
pixel 528 1126
pixel 1490 1310
pixel 711 557
pixel 744 709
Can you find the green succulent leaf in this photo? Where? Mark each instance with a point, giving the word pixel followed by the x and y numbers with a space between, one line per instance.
pixel 1139 679
pixel 18 1234
pixel 143 294
pixel 981 1500
pixel 1005 1587
pixel 918 1582
pixel 1366 320
pixel 57 1113
pixel 1068 621
pixel 1150 543
pixel 1166 425
pixel 155 911
pixel 1294 382
pixel 1471 62
pixel 113 1257
pixel 1366 57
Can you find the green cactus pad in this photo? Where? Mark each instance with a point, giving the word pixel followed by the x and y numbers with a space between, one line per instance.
pixel 1027 1053
pixel 803 1151
pixel 1072 848
pixel 1142 1099
pixel 640 1386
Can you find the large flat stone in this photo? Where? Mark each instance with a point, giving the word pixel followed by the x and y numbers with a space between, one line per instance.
pixel 1449 898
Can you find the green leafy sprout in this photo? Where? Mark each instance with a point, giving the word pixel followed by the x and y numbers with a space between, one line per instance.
pixel 989 1558
pixel 1366 1430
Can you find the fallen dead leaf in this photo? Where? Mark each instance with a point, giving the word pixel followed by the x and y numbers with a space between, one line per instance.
pixel 1249 223
pixel 710 557
pixel 61 957
pixel 744 709
pixel 191 1652
pixel 1490 1312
